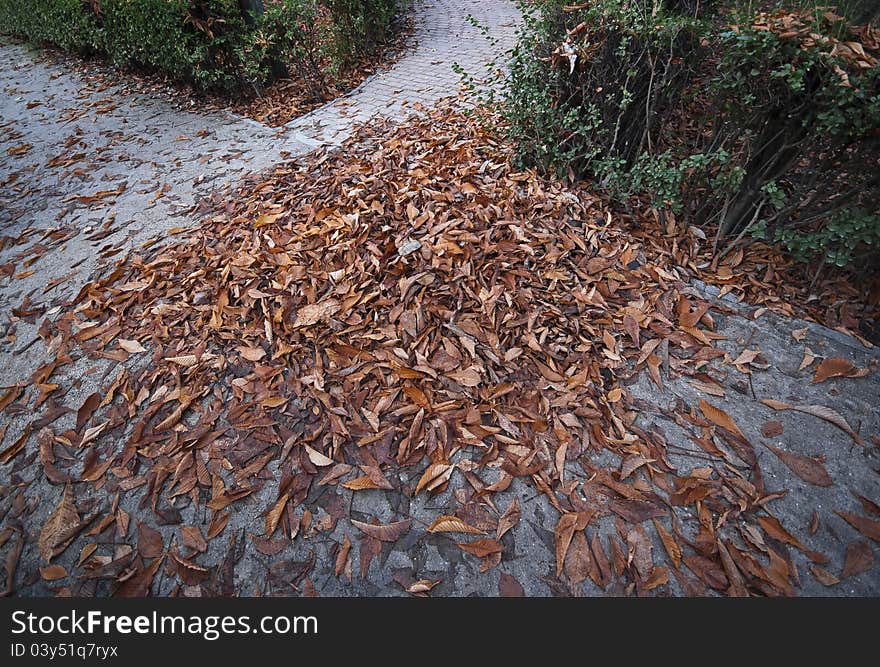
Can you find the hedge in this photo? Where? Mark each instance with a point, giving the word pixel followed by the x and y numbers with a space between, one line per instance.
pixel 750 123
pixel 208 43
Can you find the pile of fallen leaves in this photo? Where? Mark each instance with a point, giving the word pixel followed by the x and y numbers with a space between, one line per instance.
pixel 408 303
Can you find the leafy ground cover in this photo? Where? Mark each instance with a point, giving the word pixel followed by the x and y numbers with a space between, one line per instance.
pixel 403 313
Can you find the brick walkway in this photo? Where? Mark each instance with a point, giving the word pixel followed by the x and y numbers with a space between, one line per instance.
pixel 445 36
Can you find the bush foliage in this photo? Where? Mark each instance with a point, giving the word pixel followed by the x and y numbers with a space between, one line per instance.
pixel 211 44
pixel 761 124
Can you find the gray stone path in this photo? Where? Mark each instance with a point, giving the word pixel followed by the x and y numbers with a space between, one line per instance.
pixel 446 36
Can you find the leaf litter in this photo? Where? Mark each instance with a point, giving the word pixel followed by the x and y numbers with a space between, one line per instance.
pixel 385 318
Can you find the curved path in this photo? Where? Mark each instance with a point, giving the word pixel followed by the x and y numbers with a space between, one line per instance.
pixel 445 36
pixel 73 150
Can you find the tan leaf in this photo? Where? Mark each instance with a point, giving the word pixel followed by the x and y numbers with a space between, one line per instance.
pixel 421 586
pixel 452 524
pixel 469 377
pixel 316 312
pixel 509 519
pixel 746 357
pixel 808 359
pixel 251 353
pixel 317 458
pixel 275 514
pixel 59 529
pixel 92 433
pixel 131 346
pixel 273 401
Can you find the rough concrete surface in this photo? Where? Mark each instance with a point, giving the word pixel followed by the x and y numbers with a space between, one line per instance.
pixel 167 159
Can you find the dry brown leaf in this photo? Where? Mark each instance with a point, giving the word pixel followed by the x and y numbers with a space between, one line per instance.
pixel 131 346
pixel 150 541
pixel 251 353
pixel 820 411
pixel 719 417
pixel 317 312
pixel 275 514
pixel 823 576
pixel 434 476
pixel 859 558
pixel 775 530
pixel 53 572
pixel 669 543
pixel 808 469
pixel 509 587
pixel 867 527
pixel 482 547
pixel 317 458
pixel 59 529
pixel 772 429
pixel 836 367
pixel 342 559
pixel 509 519
pixel 361 484
pixel 565 528
pixel 421 587
pixel 385 533
pixel 192 539
pixel 86 410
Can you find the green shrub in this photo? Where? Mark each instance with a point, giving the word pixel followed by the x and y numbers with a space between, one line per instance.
pixel 209 43
pixel 290 33
pixel 66 23
pixel 359 26
pixel 589 88
pixel 145 33
pixel 748 129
